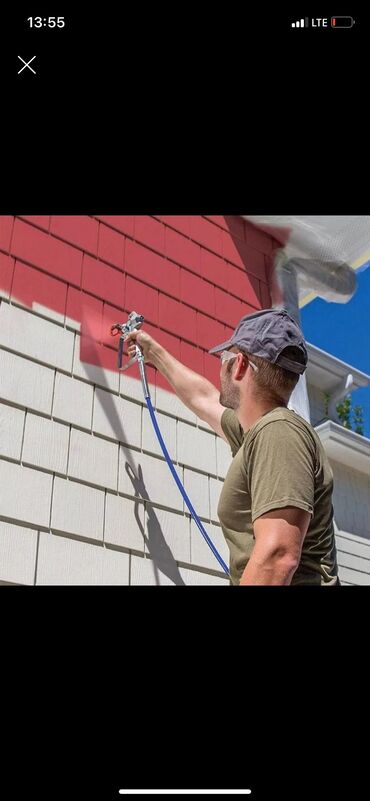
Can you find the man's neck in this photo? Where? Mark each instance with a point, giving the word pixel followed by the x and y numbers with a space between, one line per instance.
pixel 250 411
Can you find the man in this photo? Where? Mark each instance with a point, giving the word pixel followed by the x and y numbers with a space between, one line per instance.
pixel 275 507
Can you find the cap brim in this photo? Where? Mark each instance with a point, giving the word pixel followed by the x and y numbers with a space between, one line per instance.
pixel 224 346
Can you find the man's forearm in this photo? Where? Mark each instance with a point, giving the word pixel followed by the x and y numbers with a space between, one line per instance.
pixel 189 386
pixel 268 571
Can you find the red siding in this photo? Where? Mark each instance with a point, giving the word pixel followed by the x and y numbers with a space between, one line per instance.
pixel 32 286
pixel 181 224
pixel 198 293
pixel 209 332
pixel 6 226
pixel 143 299
pixel 212 368
pixel 182 250
pixel 177 318
pixel 192 277
pixel 192 357
pixel 206 233
pixel 79 302
pixel 228 309
pixel 171 343
pixel 40 220
pixel 244 286
pixel 146 265
pixel 103 281
pixel 244 256
pixel 6 272
pixel 150 232
pixel 46 252
pixel 124 224
pixel 257 239
pixel 214 268
pixel 82 233
pixel 111 246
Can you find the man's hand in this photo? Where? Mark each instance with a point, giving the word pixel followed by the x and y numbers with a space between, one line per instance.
pixel 148 345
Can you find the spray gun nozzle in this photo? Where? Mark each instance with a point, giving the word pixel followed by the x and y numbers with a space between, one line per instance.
pixel 133 322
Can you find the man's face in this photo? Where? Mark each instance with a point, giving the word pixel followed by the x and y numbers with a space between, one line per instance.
pixel 230 392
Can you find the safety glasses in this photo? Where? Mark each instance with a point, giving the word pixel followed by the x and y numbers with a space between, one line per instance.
pixel 226 355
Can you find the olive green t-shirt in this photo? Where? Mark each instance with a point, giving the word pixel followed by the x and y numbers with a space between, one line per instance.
pixel 278 462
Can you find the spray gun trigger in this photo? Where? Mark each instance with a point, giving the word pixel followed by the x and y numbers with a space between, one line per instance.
pixel 130 363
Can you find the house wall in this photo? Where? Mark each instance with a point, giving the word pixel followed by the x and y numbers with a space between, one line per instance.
pixel 351 500
pixel 85 494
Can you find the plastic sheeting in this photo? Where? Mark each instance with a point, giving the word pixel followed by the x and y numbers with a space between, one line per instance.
pixel 323 249
pixel 315 256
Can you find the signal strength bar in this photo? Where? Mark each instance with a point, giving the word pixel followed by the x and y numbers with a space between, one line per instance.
pixel 300 23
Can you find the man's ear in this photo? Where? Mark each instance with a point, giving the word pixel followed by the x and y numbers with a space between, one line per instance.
pixel 241 366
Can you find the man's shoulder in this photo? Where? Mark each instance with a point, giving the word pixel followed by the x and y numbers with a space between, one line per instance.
pixel 285 420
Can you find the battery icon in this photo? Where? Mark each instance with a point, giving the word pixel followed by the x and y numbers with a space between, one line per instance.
pixel 342 22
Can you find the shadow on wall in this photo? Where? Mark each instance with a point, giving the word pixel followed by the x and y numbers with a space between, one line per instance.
pixel 161 554
pixel 163 559
pixel 257 253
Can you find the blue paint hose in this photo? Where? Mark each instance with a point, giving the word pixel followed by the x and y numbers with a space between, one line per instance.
pixel 192 511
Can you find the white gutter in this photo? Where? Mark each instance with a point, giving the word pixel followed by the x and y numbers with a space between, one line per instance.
pixel 345 446
pixel 327 372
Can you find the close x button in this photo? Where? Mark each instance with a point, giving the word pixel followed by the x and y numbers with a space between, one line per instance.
pixel 26 65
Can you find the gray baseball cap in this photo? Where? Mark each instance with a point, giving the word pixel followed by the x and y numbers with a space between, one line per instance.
pixel 266 334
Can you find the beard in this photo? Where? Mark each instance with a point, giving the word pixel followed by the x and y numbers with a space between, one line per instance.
pixel 229 395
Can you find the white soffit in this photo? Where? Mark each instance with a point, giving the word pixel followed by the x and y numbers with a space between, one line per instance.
pixel 326 371
pixel 344 446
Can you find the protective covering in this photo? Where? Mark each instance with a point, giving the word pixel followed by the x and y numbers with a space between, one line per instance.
pixel 318 257
pixel 326 251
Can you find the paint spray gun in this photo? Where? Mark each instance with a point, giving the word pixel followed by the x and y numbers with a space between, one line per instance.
pixel 134 322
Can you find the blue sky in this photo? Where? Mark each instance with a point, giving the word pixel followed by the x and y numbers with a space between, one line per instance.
pixel 343 329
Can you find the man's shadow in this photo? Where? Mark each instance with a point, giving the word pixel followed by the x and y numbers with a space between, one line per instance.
pixel 160 552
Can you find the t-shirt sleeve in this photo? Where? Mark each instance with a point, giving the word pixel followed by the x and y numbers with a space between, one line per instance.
pixel 280 465
pixel 232 429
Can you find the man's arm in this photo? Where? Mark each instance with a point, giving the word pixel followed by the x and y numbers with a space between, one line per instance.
pixel 198 394
pixel 279 536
